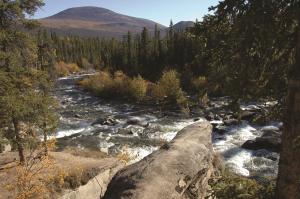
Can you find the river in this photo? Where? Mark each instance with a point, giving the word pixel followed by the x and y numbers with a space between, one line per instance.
pixel 90 122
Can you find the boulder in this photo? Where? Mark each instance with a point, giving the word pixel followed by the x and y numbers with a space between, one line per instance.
pixel 266 154
pixel 220 129
pixel 137 121
pixel 269 143
pixel 111 121
pixel 179 170
pixel 247 115
pixel 231 122
pixel 209 116
pixel 125 131
pixel 271 133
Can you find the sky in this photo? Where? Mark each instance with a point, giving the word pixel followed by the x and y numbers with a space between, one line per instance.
pixel 160 11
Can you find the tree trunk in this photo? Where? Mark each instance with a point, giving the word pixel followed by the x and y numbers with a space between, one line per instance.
pixel 19 141
pixel 45 139
pixel 288 182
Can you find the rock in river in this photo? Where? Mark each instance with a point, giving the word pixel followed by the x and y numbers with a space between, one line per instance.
pixel 111 121
pixel 247 115
pixel 137 121
pixel 231 122
pixel 269 143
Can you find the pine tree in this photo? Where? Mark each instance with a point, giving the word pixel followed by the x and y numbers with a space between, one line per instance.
pixel 20 78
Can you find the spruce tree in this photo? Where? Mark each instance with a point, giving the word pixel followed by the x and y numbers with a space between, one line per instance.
pixel 20 76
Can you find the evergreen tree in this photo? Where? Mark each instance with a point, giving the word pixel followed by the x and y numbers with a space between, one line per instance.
pixel 20 81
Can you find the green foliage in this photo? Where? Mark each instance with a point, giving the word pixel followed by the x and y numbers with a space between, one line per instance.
pixel 25 100
pixel 230 186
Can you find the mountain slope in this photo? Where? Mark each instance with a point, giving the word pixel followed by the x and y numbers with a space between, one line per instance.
pixel 95 21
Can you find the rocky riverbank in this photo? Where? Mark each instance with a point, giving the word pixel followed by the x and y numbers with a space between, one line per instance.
pixel 138 130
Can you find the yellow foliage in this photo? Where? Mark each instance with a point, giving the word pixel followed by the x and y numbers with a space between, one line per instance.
pixel 138 88
pixel 199 83
pixel 124 156
pixel 31 178
pixel 168 88
pixel 118 85
pixel 64 69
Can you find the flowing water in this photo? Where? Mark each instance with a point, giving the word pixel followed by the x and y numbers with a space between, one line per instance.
pixel 139 130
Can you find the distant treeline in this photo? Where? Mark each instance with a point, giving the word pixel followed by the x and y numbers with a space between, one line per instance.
pixel 245 55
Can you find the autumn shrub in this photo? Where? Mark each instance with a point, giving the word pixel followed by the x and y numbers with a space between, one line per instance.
pixel 64 69
pixel 138 88
pixel 119 85
pixel 100 84
pixel 168 89
pixel 199 83
pixel 157 93
pixel 31 178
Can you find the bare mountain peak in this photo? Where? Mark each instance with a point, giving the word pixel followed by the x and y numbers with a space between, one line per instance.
pixel 83 13
pixel 96 21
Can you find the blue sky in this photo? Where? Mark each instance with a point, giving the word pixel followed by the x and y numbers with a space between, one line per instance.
pixel 161 11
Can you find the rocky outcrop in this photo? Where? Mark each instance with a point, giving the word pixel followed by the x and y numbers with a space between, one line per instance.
pixel 180 169
pixel 96 187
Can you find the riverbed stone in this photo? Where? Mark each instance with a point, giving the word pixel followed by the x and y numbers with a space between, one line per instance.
pixel 125 131
pixel 209 116
pixel 220 129
pixel 180 170
pixel 111 121
pixel 137 121
pixel 247 115
pixel 268 142
pixel 231 122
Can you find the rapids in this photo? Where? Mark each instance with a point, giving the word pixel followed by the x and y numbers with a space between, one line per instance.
pixel 138 130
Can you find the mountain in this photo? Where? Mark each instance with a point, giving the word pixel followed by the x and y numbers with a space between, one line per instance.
pixel 95 21
pixel 182 25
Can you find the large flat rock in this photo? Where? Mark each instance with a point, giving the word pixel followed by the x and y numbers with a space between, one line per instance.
pixel 180 169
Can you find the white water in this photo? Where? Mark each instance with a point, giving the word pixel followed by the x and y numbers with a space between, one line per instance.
pixel 141 141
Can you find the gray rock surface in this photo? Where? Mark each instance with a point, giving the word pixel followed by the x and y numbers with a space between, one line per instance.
pixel 180 169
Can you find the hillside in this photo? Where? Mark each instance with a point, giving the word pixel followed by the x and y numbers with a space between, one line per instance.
pixel 95 21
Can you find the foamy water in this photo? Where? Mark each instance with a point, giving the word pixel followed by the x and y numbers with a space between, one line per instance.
pixel 79 110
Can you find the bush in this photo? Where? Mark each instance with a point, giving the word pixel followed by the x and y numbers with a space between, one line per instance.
pixel 199 83
pixel 168 88
pixel 138 88
pixel 170 84
pixel 118 85
pixel 100 84
pixel 230 186
pixel 64 69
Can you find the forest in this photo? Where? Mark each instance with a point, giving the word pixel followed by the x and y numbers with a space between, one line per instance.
pixel 238 55
pixel 247 50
